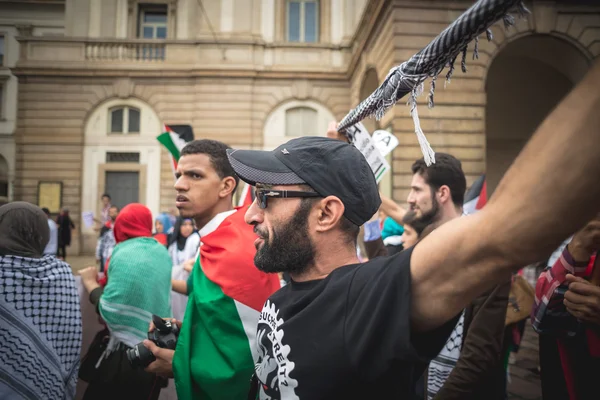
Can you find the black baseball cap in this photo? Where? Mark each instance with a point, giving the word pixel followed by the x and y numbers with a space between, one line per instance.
pixel 331 167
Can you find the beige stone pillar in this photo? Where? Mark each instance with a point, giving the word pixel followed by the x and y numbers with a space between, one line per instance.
pixel 95 18
pixel 121 19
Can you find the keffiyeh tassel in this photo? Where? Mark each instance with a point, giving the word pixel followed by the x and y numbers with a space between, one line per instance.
pixel 428 153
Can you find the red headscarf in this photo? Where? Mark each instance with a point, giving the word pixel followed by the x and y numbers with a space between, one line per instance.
pixel 134 220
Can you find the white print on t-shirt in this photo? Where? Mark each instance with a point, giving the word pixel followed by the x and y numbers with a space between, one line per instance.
pixel 273 368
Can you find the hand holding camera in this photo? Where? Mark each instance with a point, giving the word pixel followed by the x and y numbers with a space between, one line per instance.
pixel 156 353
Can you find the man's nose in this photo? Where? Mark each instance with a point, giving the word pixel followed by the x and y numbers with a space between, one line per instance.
pixel 180 184
pixel 254 215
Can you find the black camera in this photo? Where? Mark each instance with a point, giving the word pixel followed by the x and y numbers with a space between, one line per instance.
pixel 164 335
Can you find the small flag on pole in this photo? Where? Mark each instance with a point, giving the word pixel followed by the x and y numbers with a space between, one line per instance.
pixel 174 138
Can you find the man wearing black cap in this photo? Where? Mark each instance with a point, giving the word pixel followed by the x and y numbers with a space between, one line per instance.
pixel 346 330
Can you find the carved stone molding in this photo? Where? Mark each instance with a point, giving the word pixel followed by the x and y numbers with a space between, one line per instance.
pixel 123 88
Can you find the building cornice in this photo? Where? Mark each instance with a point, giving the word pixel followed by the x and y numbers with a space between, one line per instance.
pixel 243 57
pixel 24 73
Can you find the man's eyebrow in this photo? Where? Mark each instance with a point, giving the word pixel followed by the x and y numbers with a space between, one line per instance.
pixel 198 171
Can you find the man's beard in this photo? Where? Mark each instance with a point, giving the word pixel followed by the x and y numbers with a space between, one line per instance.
pixel 291 249
pixel 431 216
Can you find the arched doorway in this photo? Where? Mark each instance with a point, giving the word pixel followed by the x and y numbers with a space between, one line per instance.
pixel 525 81
pixel 121 157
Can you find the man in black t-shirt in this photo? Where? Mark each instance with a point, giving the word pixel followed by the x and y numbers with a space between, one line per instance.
pixel 344 330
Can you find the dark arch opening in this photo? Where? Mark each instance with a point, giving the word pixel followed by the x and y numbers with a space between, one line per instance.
pixel 525 81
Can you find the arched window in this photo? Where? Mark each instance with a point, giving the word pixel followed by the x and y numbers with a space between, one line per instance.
pixel 301 121
pixel 124 120
pixel 295 118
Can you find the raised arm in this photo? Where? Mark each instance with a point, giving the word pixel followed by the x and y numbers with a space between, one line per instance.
pixel 524 221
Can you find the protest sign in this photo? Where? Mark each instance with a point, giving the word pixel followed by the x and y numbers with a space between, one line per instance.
pixel 362 141
pixel 385 141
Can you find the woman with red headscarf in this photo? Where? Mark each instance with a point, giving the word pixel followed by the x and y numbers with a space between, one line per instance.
pixel 139 286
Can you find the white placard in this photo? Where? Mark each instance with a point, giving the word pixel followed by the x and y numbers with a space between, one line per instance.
pixel 385 141
pixel 88 219
pixel 363 142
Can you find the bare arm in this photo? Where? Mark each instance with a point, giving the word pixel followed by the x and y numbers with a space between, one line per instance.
pixel 392 209
pixel 524 221
pixel 179 286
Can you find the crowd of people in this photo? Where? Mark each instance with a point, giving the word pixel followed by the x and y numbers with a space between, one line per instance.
pixel 273 301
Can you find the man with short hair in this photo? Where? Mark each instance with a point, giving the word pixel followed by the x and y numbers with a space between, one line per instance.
pixel 52 246
pixel 349 330
pixel 214 354
pixel 437 192
pixel 470 363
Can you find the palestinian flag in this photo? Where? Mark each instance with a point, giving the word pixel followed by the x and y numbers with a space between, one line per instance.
pixel 216 349
pixel 174 138
pixel 476 197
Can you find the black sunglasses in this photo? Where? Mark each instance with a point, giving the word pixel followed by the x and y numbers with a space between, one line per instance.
pixel 263 194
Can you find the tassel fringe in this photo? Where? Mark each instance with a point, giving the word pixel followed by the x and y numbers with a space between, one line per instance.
pixel 428 153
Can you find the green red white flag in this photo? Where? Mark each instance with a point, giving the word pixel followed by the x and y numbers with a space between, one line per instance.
pixel 216 349
pixel 174 138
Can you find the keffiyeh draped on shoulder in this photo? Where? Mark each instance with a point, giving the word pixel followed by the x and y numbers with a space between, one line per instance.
pixel 40 328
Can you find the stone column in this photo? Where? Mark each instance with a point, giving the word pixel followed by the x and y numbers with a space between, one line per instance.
pixel 121 19
pixel 95 18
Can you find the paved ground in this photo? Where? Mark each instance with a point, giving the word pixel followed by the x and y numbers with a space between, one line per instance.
pixel 524 377
pixel 79 262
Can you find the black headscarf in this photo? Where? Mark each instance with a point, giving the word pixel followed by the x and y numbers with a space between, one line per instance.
pixel 176 235
pixel 24 230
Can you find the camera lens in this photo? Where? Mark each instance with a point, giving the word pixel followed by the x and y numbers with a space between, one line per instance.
pixel 140 356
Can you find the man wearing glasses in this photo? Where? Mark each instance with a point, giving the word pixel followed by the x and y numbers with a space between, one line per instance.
pixel 344 330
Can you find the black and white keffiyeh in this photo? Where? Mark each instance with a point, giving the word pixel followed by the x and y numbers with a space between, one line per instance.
pixel 429 62
pixel 442 365
pixel 40 328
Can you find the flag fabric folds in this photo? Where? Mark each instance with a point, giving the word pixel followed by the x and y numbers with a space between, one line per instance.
pixel 476 196
pixel 216 349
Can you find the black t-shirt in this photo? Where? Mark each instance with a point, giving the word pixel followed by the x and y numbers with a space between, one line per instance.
pixel 346 336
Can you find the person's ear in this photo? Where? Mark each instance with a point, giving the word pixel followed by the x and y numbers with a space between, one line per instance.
pixel 329 212
pixel 444 194
pixel 227 186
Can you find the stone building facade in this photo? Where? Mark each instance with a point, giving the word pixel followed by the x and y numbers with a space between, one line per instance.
pixel 86 85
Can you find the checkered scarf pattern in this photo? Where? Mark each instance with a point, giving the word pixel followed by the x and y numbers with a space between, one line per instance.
pixel 40 328
pixel 429 62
